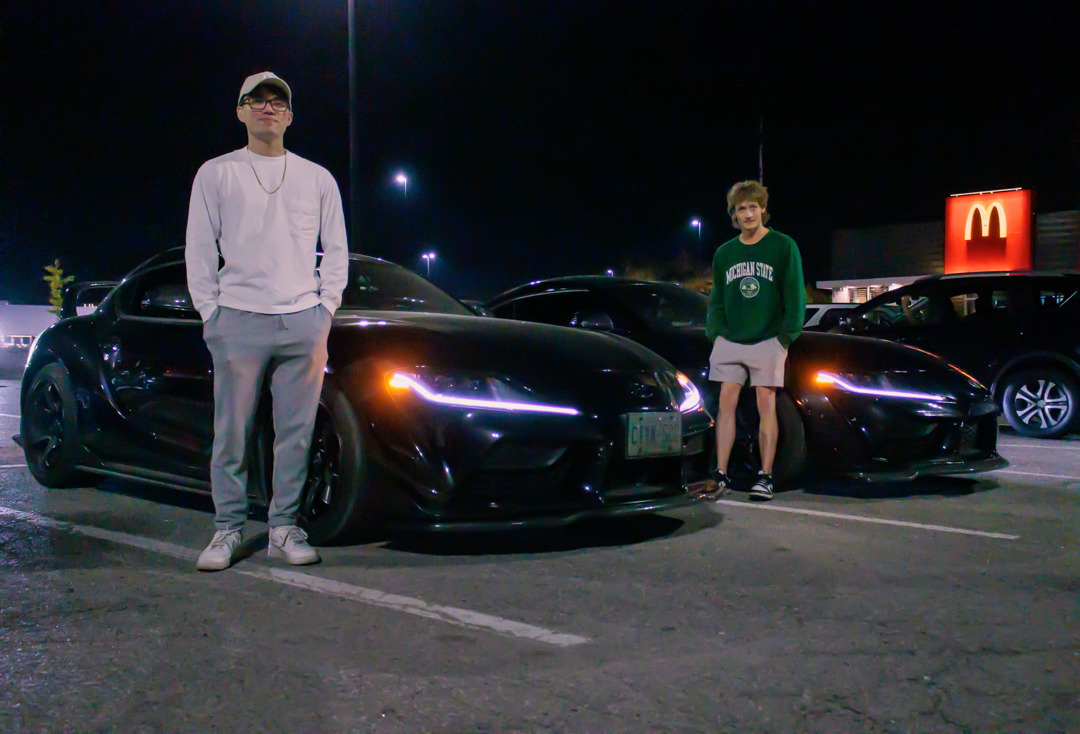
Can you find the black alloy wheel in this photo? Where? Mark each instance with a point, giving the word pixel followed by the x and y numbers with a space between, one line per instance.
pixel 336 504
pixel 1041 402
pixel 50 428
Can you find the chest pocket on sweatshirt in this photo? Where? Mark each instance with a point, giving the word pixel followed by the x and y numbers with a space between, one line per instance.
pixel 303 218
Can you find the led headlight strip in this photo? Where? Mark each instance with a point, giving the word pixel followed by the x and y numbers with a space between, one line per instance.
pixel 692 398
pixel 401 380
pixel 828 378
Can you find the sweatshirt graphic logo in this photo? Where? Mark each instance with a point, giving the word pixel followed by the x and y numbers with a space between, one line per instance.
pixel 747 273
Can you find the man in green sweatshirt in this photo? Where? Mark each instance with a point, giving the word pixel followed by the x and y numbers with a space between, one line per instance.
pixel 755 311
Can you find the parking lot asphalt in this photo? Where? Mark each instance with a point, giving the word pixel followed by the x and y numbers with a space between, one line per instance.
pixel 944 604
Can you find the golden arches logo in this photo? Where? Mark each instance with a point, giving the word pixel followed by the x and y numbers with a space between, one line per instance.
pixel 985 211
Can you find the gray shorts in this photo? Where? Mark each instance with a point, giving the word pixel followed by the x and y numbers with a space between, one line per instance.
pixel 762 362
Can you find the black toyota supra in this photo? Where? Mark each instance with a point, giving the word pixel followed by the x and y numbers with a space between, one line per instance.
pixel 431 417
pixel 857 407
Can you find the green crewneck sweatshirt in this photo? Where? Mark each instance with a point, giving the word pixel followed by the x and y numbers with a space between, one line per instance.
pixel 758 291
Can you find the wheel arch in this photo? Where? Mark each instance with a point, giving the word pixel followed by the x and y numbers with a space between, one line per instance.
pixel 1027 361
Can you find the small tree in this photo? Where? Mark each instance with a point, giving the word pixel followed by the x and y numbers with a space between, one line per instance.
pixel 56 281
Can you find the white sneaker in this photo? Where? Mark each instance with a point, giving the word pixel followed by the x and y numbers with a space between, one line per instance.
pixel 289 543
pixel 219 554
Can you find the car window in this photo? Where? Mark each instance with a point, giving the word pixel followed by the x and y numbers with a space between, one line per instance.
pixel 162 293
pixel 810 313
pixel 967 304
pixel 900 311
pixel 908 309
pixel 376 285
pixel 551 308
pixel 1052 296
pixel 663 306
pixel 831 317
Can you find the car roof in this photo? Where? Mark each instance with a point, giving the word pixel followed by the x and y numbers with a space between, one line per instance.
pixel 1004 274
pixel 175 255
pixel 980 276
pixel 575 282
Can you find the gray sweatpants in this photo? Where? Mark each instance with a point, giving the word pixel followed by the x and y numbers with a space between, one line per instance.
pixel 248 348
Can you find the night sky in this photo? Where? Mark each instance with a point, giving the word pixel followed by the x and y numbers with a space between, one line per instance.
pixel 540 138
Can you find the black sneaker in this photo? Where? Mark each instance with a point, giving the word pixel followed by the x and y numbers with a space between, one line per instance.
pixel 717 485
pixel 762 488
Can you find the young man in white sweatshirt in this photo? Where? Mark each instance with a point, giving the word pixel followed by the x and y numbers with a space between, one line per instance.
pixel 266 310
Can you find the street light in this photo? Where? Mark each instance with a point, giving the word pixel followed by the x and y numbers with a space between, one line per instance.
pixel 354 134
pixel 403 181
pixel 428 257
pixel 697 223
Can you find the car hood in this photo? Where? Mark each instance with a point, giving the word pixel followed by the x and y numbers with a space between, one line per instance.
pixel 688 349
pixel 558 360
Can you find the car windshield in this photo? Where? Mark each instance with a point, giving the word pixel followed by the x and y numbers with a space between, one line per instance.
pixel 375 285
pixel 664 306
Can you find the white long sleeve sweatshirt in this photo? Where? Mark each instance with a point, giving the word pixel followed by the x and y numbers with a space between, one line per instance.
pixel 268 241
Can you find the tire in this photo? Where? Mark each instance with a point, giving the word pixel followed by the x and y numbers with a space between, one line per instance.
pixel 50 428
pixel 790 462
pixel 1041 402
pixel 791 455
pixel 337 503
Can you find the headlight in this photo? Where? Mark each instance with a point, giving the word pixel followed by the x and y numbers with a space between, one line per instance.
pixel 971 380
pixel 691 397
pixel 885 385
pixel 486 393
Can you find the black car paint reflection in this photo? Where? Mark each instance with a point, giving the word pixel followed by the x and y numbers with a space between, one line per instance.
pixel 895 412
pixel 127 392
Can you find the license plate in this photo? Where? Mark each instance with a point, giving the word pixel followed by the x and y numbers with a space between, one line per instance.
pixel 653 434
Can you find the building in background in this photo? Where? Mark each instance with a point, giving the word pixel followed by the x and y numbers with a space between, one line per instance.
pixel 982 231
pixel 19 325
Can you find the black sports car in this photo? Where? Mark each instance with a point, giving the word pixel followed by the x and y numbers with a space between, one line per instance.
pixel 858 407
pixel 431 416
pixel 1017 333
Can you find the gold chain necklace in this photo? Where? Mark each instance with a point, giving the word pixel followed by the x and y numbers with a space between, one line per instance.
pixel 252 164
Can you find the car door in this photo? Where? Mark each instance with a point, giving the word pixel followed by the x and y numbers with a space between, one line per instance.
pixel 159 371
pixel 961 321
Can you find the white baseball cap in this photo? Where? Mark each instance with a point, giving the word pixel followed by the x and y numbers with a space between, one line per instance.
pixel 265 77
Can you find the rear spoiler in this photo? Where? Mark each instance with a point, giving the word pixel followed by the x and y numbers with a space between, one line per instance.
pixel 74 291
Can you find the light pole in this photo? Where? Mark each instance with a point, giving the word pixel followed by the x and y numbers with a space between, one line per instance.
pixel 354 135
pixel 403 181
pixel 697 223
pixel 428 257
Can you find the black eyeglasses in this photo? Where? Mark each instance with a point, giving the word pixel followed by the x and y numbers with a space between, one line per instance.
pixel 277 105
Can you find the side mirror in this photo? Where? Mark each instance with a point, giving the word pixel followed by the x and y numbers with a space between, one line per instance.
pixel 593 320
pixel 477 308
pixel 73 293
pixel 169 301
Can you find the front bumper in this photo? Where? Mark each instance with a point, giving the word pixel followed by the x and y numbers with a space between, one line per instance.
pixel 694 494
pixel 932 467
pixel 446 468
pixel 880 440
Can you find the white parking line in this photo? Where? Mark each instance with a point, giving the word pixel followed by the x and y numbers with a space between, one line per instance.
pixel 875 520
pixel 8 415
pixel 408 605
pixel 1036 474
pixel 12 466
pixel 1039 446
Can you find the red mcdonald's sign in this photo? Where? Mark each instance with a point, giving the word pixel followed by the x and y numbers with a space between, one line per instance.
pixel 990 230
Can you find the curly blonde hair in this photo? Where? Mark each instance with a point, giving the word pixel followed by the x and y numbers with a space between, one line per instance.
pixel 747 191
